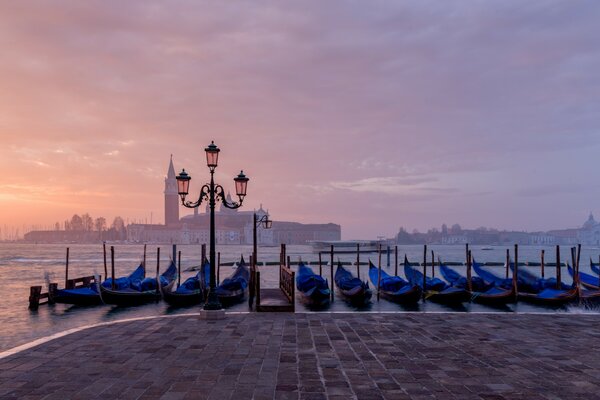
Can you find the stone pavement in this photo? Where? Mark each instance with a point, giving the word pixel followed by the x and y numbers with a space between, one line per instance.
pixel 317 356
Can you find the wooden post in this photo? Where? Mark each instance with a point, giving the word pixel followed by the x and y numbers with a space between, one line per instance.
pixel 203 253
pixel 331 272
pixel 508 262
pixel 424 269
pixel 396 260
pixel 218 267
pixel 379 273
pixel 105 266
pixel 558 267
pixel 52 289
pixel 543 267
pixel 516 270
pixel 179 269
pixel 388 256
pixel 34 297
pixel 174 250
pixel 157 267
pixel 466 253
pixel 67 270
pixel 432 265
pixel 112 265
pixel 144 255
pixel 578 258
pixel 469 280
pixel 320 265
pixel 598 274
pixel 358 260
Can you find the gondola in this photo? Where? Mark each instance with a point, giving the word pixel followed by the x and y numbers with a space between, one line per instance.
pixel 189 293
pixel 312 287
pixel 482 291
pixel 139 291
pixel 589 290
pixel 90 295
pixel 595 267
pixel 543 291
pixel 354 289
pixel 394 288
pixel 436 290
pixel 500 293
pixel 233 289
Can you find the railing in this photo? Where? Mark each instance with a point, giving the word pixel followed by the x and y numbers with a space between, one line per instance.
pixel 286 282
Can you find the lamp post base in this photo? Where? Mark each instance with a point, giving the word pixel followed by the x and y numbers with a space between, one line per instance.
pixel 212 301
pixel 212 315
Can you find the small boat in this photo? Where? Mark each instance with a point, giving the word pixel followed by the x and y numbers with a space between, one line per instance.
pixel 589 289
pixel 90 295
pixel 233 288
pixel 500 293
pixel 313 288
pixel 394 288
pixel 543 291
pixel 138 291
pixel 435 289
pixel 354 289
pixel 487 248
pixel 189 293
pixel 483 292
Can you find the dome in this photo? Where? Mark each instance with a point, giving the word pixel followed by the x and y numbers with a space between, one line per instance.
pixel 590 223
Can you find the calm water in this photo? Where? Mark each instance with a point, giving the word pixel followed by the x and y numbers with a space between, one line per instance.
pixel 23 265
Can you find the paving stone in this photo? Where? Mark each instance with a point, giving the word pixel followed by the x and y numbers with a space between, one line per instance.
pixel 317 356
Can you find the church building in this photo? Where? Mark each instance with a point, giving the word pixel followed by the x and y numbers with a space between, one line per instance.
pixel 232 226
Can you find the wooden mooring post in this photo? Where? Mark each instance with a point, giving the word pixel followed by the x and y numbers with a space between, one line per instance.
pixel 179 269
pixel 112 265
pixel 105 265
pixel 358 260
pixel 516 270
pixel 469 280
pixel 558 267
pixel 203 253
pixel 331 273
pixel 320 265
pixel 157 269
pixel 507 262
pixel 542 266
pixel 218 267
pixel 67 269
pixel 424 269
pixel 378 272
pixel 432 264
pixel 396 260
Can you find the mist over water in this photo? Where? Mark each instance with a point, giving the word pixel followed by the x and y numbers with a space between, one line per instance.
pixel 25 265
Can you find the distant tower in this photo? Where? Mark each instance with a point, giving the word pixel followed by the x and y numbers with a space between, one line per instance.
pixel 171 196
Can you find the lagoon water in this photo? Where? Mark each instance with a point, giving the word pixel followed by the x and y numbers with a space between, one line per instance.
pixel 24 265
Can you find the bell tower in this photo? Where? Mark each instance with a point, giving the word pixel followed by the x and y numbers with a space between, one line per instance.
pixel 171 196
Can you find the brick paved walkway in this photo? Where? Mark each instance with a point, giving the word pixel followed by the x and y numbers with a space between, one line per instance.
pixel 317 356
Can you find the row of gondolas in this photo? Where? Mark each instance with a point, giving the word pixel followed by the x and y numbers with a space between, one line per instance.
pixel 136 288
pixel 484 288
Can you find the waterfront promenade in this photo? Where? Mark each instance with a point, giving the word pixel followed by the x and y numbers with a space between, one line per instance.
pixel 317 356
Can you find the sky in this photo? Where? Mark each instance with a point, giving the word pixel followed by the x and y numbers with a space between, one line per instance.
pixel 372 115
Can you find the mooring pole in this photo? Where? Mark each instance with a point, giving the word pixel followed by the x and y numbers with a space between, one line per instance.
pixel 379 272
pixel 558 267
pixel 144 256
pixel 424 269
pixel 432 265
pixel 543 266
pixel 67 270
pixel 469 280
pixel 331 270
pixel 516 270
pixel 179 269
pixel 358 260
pixel 157 268
pixel 320 264
pixel 396 260
pixel 105 266
pixel 508 263
pixel 218 267
pixel 112 265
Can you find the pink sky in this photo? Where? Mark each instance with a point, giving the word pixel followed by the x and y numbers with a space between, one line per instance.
pixel 373 115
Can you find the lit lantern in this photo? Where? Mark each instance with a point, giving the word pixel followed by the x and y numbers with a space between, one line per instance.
pixel 212 155
pixel 183 184
pixel 241 183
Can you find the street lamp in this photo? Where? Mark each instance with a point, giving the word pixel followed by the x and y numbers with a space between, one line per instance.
pixel 267 224
pixel 212 192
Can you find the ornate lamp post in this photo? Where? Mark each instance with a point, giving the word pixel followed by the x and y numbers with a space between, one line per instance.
pixel 212 192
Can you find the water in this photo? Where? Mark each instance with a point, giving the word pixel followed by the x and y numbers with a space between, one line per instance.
pixel 24 265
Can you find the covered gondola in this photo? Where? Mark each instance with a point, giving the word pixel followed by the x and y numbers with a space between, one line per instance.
pixel 189 293
pixel 351 287
pixel 232 289
pixel 394 288
pixel 500 292
pixel 312 287
pixel 435 289
pixel 136 292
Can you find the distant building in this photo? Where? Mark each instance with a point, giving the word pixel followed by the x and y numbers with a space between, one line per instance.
pixel 589 234
pixel 232 226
